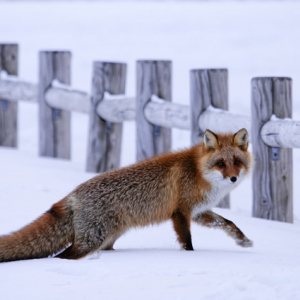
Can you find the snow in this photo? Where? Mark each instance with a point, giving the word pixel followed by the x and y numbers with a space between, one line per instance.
pixel 5 76
pixel 156 99
pixel 111 97
pixel 57 84
pixel 250 39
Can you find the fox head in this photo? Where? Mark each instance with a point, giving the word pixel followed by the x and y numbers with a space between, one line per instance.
pixel 227 160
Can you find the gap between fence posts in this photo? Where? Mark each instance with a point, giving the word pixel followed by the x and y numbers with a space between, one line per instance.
pixel 273 169
pixel 9 109
pixel 153 78
pixel 54 124
pixel 208 87
pixel 105 138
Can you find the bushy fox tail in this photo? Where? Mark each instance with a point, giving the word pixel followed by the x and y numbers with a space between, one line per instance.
pixel 49 234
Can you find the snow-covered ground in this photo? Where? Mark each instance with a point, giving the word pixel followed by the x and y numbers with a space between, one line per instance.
pixel 250 39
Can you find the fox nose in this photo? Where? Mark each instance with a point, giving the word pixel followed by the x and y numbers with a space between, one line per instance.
pixel 233 179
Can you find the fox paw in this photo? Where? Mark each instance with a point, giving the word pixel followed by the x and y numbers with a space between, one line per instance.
pixel 245 243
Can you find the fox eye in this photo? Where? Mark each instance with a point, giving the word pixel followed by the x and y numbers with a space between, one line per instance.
pixel 237 162
pixel 220 164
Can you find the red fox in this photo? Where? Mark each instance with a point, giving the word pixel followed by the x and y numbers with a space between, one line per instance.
pixel 181 186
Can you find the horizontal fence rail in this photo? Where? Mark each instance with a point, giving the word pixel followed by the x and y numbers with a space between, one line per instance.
pixel 67 99
pixel 281 133
pixel 119 108
pixel 219 120
pixel 166 114
pixel 13 89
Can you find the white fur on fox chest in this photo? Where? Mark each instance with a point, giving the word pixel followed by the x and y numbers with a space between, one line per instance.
pixel 220 188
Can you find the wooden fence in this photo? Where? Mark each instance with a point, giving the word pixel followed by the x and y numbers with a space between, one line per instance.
pixel 155 114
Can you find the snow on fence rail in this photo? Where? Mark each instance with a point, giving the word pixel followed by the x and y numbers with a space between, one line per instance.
pixel 155 114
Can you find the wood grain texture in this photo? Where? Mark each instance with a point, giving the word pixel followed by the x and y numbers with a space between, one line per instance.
pixel 272 179
pixel 8 109
pixel 281 133
pixel 104 141
pixel 120 108
pixel 54 124
pixel 117 108
pixel 167 114
pixel 208 87
pixel 153 78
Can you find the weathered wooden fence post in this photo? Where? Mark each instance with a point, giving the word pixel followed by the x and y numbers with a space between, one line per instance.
pixel 104 141
pixel 273 169
pixel 54 124
pixel 8 109
pixel 153 78
pixel 208 87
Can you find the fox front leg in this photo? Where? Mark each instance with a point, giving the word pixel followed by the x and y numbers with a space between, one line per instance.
pixel 181 224
pixel 213 220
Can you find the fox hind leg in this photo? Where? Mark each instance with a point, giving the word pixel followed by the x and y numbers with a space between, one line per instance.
pixel 182 227
pixel 109 244
pixel 83 245
pixel 92 240
pixel 213 220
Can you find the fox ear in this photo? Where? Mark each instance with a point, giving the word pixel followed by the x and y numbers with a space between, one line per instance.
pixel 210 140
pixel 241 139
